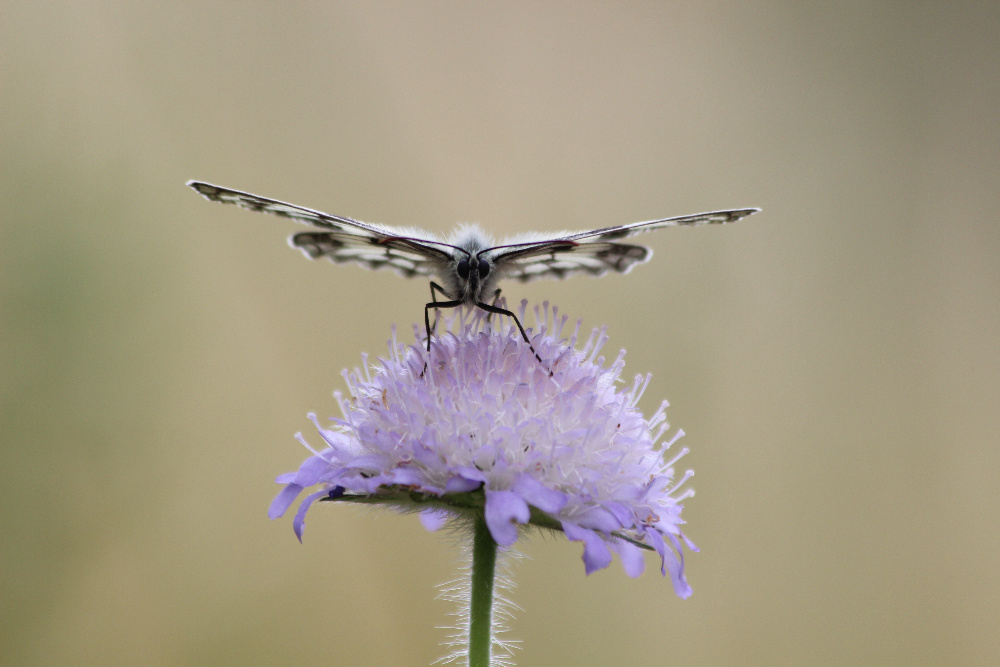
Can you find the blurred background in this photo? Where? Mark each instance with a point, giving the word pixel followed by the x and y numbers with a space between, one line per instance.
pixel 835 360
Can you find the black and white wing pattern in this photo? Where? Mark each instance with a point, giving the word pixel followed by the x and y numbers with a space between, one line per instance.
pixel 409 252
pixel 412 252
pixel 593 252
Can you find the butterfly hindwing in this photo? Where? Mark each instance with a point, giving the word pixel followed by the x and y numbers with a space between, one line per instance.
pixel 562 259
pixel 407 257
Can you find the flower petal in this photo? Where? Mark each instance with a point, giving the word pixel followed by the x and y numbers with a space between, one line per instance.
pixel 433 520
pixel 671 562
pixel 598 518
pixel 299 523
pixel 624 516
pixel 312 470
pixel 504 510
pixel 596 555
pixel 283 500
pixel 461 484
pixel 539 495
pixel 631 557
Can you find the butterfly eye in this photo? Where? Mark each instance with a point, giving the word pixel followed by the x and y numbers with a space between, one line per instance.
pixel 463 269
pixel 484 268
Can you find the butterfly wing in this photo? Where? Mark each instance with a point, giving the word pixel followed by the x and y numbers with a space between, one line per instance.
pixel 344 239
pixel 561 259
pixel 625 231
pixel 594 252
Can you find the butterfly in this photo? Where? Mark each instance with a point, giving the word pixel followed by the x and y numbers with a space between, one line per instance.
pixel 468 263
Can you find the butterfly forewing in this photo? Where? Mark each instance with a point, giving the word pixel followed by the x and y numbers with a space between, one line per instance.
pixel 625 231
pixel 347 240
pixel 300 213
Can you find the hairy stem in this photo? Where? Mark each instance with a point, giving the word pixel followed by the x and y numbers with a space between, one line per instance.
pixel 484 560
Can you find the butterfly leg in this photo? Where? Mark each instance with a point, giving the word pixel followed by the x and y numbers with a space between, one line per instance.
pixel 496 299
pixel 503 311
pixel 435 304
pixel 427 314
pixel 435 288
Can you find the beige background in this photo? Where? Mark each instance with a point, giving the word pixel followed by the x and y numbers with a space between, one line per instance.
pixel 834 360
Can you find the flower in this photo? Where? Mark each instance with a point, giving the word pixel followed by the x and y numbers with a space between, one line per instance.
pixel 478 426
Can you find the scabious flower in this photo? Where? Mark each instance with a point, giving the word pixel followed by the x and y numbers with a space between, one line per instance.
pixel 478 428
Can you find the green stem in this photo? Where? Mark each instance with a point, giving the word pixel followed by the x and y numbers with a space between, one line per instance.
pixel 484 560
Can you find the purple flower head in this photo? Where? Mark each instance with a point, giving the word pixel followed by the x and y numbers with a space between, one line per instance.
pixel 478 427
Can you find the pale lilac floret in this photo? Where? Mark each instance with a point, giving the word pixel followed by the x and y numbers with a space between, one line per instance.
pixel 556 444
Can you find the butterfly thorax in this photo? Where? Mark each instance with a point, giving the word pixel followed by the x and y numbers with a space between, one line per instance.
pixel 470 276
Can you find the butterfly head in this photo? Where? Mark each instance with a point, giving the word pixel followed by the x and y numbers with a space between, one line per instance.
pixel 472 274
pixel 477 268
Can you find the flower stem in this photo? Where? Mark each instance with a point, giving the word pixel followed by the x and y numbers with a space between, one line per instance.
pixel 484 560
